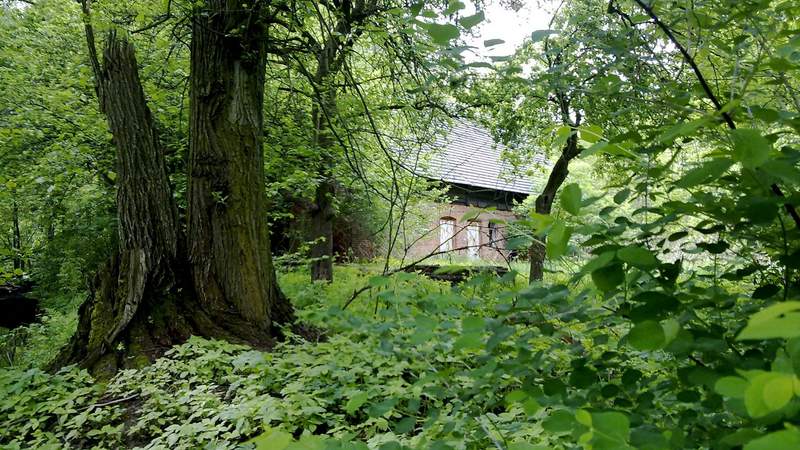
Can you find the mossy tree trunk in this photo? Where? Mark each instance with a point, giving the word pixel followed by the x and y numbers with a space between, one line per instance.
pixel 228 240
pixel 143 268
pixel 323 210
pixel 155 291
pixel 330 53
pixel 16 235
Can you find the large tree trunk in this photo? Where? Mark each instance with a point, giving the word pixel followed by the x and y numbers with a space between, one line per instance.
pixel 544 202
pixel 117 320
pixel 228 240
pixel 154 293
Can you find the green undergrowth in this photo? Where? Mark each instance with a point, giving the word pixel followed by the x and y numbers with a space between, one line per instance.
pixel 418 364
pixel 34 345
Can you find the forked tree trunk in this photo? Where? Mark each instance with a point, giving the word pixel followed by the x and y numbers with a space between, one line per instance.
pixel 228 240
pixel 117 321
pixel 544 202
pixel 152 294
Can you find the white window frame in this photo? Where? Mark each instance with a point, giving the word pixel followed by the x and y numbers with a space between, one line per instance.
pixel 447 232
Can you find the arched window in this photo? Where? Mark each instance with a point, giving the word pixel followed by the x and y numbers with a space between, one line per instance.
pixel 447 229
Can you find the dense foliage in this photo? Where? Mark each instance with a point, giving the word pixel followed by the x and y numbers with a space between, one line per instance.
pixel 669 314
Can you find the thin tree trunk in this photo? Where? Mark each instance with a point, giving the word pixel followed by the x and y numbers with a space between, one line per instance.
pixel 228 240
pixel 544 202
pixel 16 238
pixel 323 211
pixel 322 217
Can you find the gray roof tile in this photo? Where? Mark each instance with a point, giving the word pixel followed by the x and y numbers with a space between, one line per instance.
pixel 469 155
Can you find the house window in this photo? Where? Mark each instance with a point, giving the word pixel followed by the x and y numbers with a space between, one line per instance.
pixel 494 235
pixel 447 228
pixel 473 240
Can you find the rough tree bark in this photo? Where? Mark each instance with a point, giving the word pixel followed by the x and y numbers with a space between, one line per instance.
pixel 322 211
pixel 544 202
pixel 330 54
pixel 154 292
pixel 329 59
pixel 16 237
pixel 117 320
pixel 228 240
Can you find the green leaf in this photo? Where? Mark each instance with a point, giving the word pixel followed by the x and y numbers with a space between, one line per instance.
pixel 779 391
pixel 754 398
pixel 610 430
pixel 473 323
pixel 583 417
pixel 539 35
pixel 378 281
pixel 779 440
pixel 598 262
pixel 472 333
pixel 469 340
pixel 621 196
pixel 480 64
pixel 271 440
pixel 561 135
pixel 647 336
pixel 382 408
pixel 707 172
pixel 405 425
pixel 424 327
pixel 608 277
pixel 559 421
pixel 781 320
pixel 441 34
pixel 733 387
pixel 471 21
pixel 571 199
pixel 355 402
pixel 671 328
pixel 590 133
pixel 540 222
pixel 308 442
pixel 493 42
pixel 750 148
pixel 515 396
pixel 526 446
pixel 637 257
pixel 682 129
pixel 558 240
pixel 471 214
pixel 453 6
pixel 782 170
pixel 531 406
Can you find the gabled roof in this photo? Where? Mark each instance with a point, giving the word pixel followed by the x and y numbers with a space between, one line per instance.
pixel 468 155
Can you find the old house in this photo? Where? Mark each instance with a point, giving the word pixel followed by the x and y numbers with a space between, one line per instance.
pixel 470 164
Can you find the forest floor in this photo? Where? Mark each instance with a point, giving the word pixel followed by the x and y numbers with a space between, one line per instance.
pixel 378 376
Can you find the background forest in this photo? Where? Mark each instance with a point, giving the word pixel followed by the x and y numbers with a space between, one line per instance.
pixel 212 202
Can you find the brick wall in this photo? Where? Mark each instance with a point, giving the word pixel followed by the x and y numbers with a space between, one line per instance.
pixel 429 236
